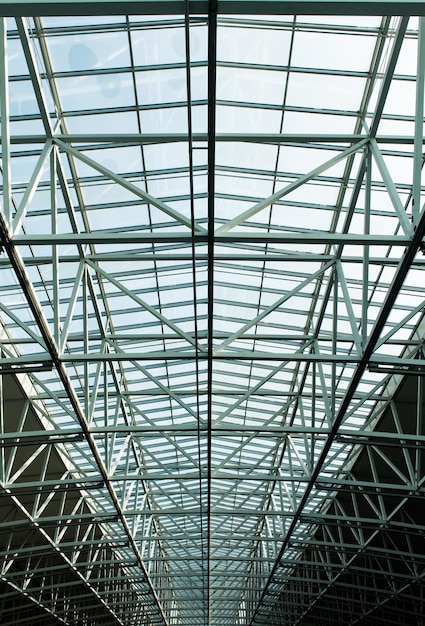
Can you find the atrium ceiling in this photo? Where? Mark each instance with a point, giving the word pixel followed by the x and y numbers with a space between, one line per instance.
pixel 212 313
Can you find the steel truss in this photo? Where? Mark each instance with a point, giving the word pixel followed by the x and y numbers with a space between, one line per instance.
pixel 212 331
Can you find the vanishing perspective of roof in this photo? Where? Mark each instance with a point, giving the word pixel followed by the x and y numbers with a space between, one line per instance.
pixel 212 297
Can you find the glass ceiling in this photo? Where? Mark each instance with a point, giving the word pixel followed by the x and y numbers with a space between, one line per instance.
pixel 209 277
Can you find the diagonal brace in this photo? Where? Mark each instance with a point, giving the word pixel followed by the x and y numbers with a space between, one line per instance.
pixel 239 219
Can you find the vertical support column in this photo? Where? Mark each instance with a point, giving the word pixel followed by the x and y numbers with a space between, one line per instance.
pixel 419 425
pixel 313 414
pixel 55 256
pixel 86 365
pixel 106 415
pixel 419 124
pixel 2 429
pixel 212 96
pixel 365 288
pixel 5 128
pixel 334 341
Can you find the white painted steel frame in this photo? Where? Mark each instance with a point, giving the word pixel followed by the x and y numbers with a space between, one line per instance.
pixel 195 458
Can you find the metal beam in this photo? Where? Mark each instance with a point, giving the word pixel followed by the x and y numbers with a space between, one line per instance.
pixel 232 7
pixel 308 237
pixel 130 139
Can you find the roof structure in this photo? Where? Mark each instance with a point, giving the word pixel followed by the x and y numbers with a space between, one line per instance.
pixel 212 313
